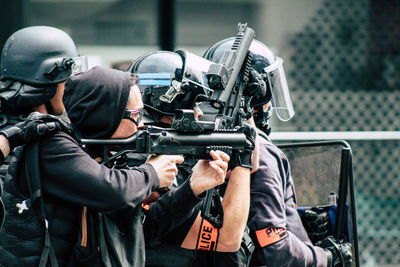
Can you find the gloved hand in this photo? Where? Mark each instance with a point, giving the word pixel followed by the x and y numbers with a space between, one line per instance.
pixel 244 157
pixel 339 252
pixel 35 126
pixel 257 88
pixel 317 224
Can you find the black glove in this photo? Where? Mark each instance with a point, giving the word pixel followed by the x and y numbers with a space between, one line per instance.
pixel 35 126
pixel 257 89
pixel 317 224
pixel 339 252
pixel 244 157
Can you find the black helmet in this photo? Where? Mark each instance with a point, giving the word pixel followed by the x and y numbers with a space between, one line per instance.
pixel 170 81
pixel 33 61
pixel 270 67
pixel 38 55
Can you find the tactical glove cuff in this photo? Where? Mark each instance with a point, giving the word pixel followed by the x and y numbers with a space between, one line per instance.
pixel 14 136
pixel 243 158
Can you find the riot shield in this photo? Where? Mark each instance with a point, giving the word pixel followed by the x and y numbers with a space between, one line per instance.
pixel 321 170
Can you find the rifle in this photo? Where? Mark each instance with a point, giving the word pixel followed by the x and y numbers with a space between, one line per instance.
pixel 168 141
pixel 228 79
pixel 157 140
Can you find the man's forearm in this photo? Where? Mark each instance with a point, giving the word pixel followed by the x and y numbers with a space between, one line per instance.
pixel 4 147
pixel 236 204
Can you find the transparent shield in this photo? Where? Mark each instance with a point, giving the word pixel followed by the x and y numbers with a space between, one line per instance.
pixel 195 68
pixel 319 169
pixel 316 172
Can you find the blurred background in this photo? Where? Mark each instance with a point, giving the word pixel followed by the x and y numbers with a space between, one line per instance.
pixel 342 62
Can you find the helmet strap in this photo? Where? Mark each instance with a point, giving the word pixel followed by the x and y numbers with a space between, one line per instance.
pixel 261 119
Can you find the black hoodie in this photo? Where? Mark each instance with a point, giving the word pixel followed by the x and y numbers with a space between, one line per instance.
pixel 96 100
pixel 71 178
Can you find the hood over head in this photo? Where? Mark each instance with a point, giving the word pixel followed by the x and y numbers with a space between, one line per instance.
pixel 95 101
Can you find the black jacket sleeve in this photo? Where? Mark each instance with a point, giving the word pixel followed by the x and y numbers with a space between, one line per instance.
pixel 171 211
pixel 71 174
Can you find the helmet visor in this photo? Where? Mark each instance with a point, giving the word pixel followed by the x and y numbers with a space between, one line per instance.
pixel 166 89
pixel 195 67
pixel 195 71
pixel 80 65
pixel 281 101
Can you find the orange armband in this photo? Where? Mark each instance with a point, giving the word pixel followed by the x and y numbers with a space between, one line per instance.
pixel 208 237
pixel 145 206
pixel 270 235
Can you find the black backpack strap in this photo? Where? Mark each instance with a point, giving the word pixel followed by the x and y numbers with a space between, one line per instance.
pixel 35 189
pixel 2 207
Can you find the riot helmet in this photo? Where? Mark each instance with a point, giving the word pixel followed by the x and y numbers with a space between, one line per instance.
pixel 271 69
pixel 33 61
pixel 170 81
pixel 38 55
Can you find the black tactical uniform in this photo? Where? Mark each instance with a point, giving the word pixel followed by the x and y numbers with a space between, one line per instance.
pixel 33 61
pixel 275 226
pixel 273 206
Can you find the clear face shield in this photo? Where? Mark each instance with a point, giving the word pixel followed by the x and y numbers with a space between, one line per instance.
pixel 64 67
pixel 194 74
pixel 281 101
pixel 80 64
